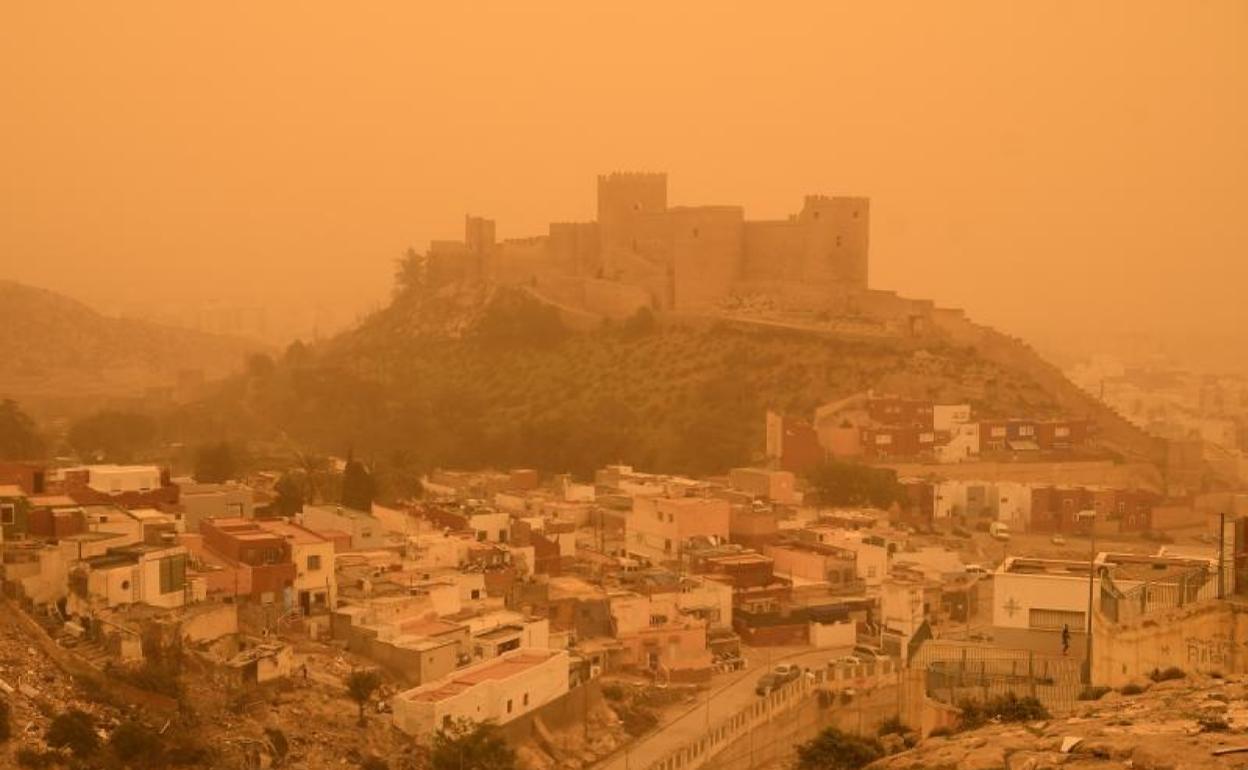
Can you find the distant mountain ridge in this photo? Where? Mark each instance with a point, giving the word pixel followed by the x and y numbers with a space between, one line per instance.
pixel 53 346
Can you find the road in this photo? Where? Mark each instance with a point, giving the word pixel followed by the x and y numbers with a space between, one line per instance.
pixel 721 702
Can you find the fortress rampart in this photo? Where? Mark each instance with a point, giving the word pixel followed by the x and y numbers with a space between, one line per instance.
pixel 642 252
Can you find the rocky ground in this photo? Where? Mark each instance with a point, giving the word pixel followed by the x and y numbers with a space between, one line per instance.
pixel 1173 725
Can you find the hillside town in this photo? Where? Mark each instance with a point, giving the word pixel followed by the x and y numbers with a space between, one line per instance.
pixel 629 618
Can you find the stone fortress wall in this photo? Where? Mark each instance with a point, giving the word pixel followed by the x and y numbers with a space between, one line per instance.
pixel 641 252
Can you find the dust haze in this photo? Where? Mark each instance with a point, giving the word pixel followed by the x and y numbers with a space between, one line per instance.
pixel 1064 171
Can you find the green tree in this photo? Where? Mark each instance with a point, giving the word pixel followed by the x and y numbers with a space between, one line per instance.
pixel 411 273
pixel 289 500
pixel 316 473
pixel 358 488
pixel 361 684
pixel 838 483
pixel 109 436
pixel 468 745
pixel 836 750
pixel 73 730
pixel 217 462
pixel 19 438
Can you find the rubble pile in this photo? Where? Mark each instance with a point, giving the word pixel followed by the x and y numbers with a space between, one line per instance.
pixel 37 689
pixel 1184 724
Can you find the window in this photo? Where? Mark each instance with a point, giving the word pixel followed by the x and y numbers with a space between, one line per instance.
pixel 871 570
pixel 1061 431
pixel 526 699
pixel 476 593
pixel 446 720
pixel 927 438
pixel 172 574
pixel 658 620
pixel 883 439
pixel 8 514
pixel 658 515
pixel 997 432
pixel 314 562
pixel 1053 620
pixel 667 545
pixel 481 536
pixel 509 705
pixel 1026 430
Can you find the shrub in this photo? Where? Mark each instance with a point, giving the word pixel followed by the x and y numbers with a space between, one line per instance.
pixel 940 731
pixel 374 763
pixel 132 740
pixel 892 726
pixel 613 692
pixel 6 729
pixel 1166 675
pixel 1093 693
pixel 1004 708
pixel 1131 688
pixel 638 720
pixel 74 730
pixel 1213 724
pixel 836 750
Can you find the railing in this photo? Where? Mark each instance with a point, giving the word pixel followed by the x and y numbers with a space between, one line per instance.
pixel 955 673
pixel 723 733
pixel 1151 596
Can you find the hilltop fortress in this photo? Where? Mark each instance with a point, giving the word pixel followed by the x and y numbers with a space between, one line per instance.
pixel 641 252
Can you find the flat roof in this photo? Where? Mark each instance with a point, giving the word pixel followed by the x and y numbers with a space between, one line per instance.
pixel 11 490
pixel 292 532
pixel 498 668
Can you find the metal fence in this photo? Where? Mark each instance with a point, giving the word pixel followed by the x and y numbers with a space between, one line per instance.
pixel 954 673
pixel 1123 603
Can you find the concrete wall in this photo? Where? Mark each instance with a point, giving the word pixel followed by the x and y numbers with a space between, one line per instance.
pixel 1207 637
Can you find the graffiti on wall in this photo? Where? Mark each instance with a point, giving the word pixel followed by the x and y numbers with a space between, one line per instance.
pixel 1218 650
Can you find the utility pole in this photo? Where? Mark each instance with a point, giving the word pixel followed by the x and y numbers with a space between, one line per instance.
pixel 1221 555
pixel 1087 663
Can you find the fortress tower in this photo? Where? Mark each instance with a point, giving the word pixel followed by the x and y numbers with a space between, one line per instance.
pixel 625 203
pixel 641 252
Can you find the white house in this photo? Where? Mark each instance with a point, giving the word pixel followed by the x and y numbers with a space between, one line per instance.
pixel 135 574
pixel 316 583
pixel 1033 599
pixel 500 690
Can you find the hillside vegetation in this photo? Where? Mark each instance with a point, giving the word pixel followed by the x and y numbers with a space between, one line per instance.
pixel 477 378
pixel 53 346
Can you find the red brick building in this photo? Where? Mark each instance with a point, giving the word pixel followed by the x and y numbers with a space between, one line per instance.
pixel 266 556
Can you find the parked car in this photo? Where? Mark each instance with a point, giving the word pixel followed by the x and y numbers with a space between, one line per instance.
pixel 767 684
pixel 867 654
pixel 787 672
pixel 977 569
pixel 845 660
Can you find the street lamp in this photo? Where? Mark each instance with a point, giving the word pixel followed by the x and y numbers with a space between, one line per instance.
pixel 1090 515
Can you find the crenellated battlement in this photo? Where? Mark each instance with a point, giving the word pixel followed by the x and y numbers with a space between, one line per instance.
pixel 682 258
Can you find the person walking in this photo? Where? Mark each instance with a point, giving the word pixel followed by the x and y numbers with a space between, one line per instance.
pixel 1065 638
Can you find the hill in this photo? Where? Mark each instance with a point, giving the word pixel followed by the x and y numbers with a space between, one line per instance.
pixel 1174 724
pixel 481 376
pixel 56 347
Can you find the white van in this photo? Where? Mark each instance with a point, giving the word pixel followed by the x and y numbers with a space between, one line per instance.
pixel 999 530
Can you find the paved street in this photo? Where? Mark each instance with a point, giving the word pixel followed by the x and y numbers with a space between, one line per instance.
pixel 725 699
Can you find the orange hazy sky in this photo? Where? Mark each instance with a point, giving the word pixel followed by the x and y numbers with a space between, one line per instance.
pixel 1045 165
